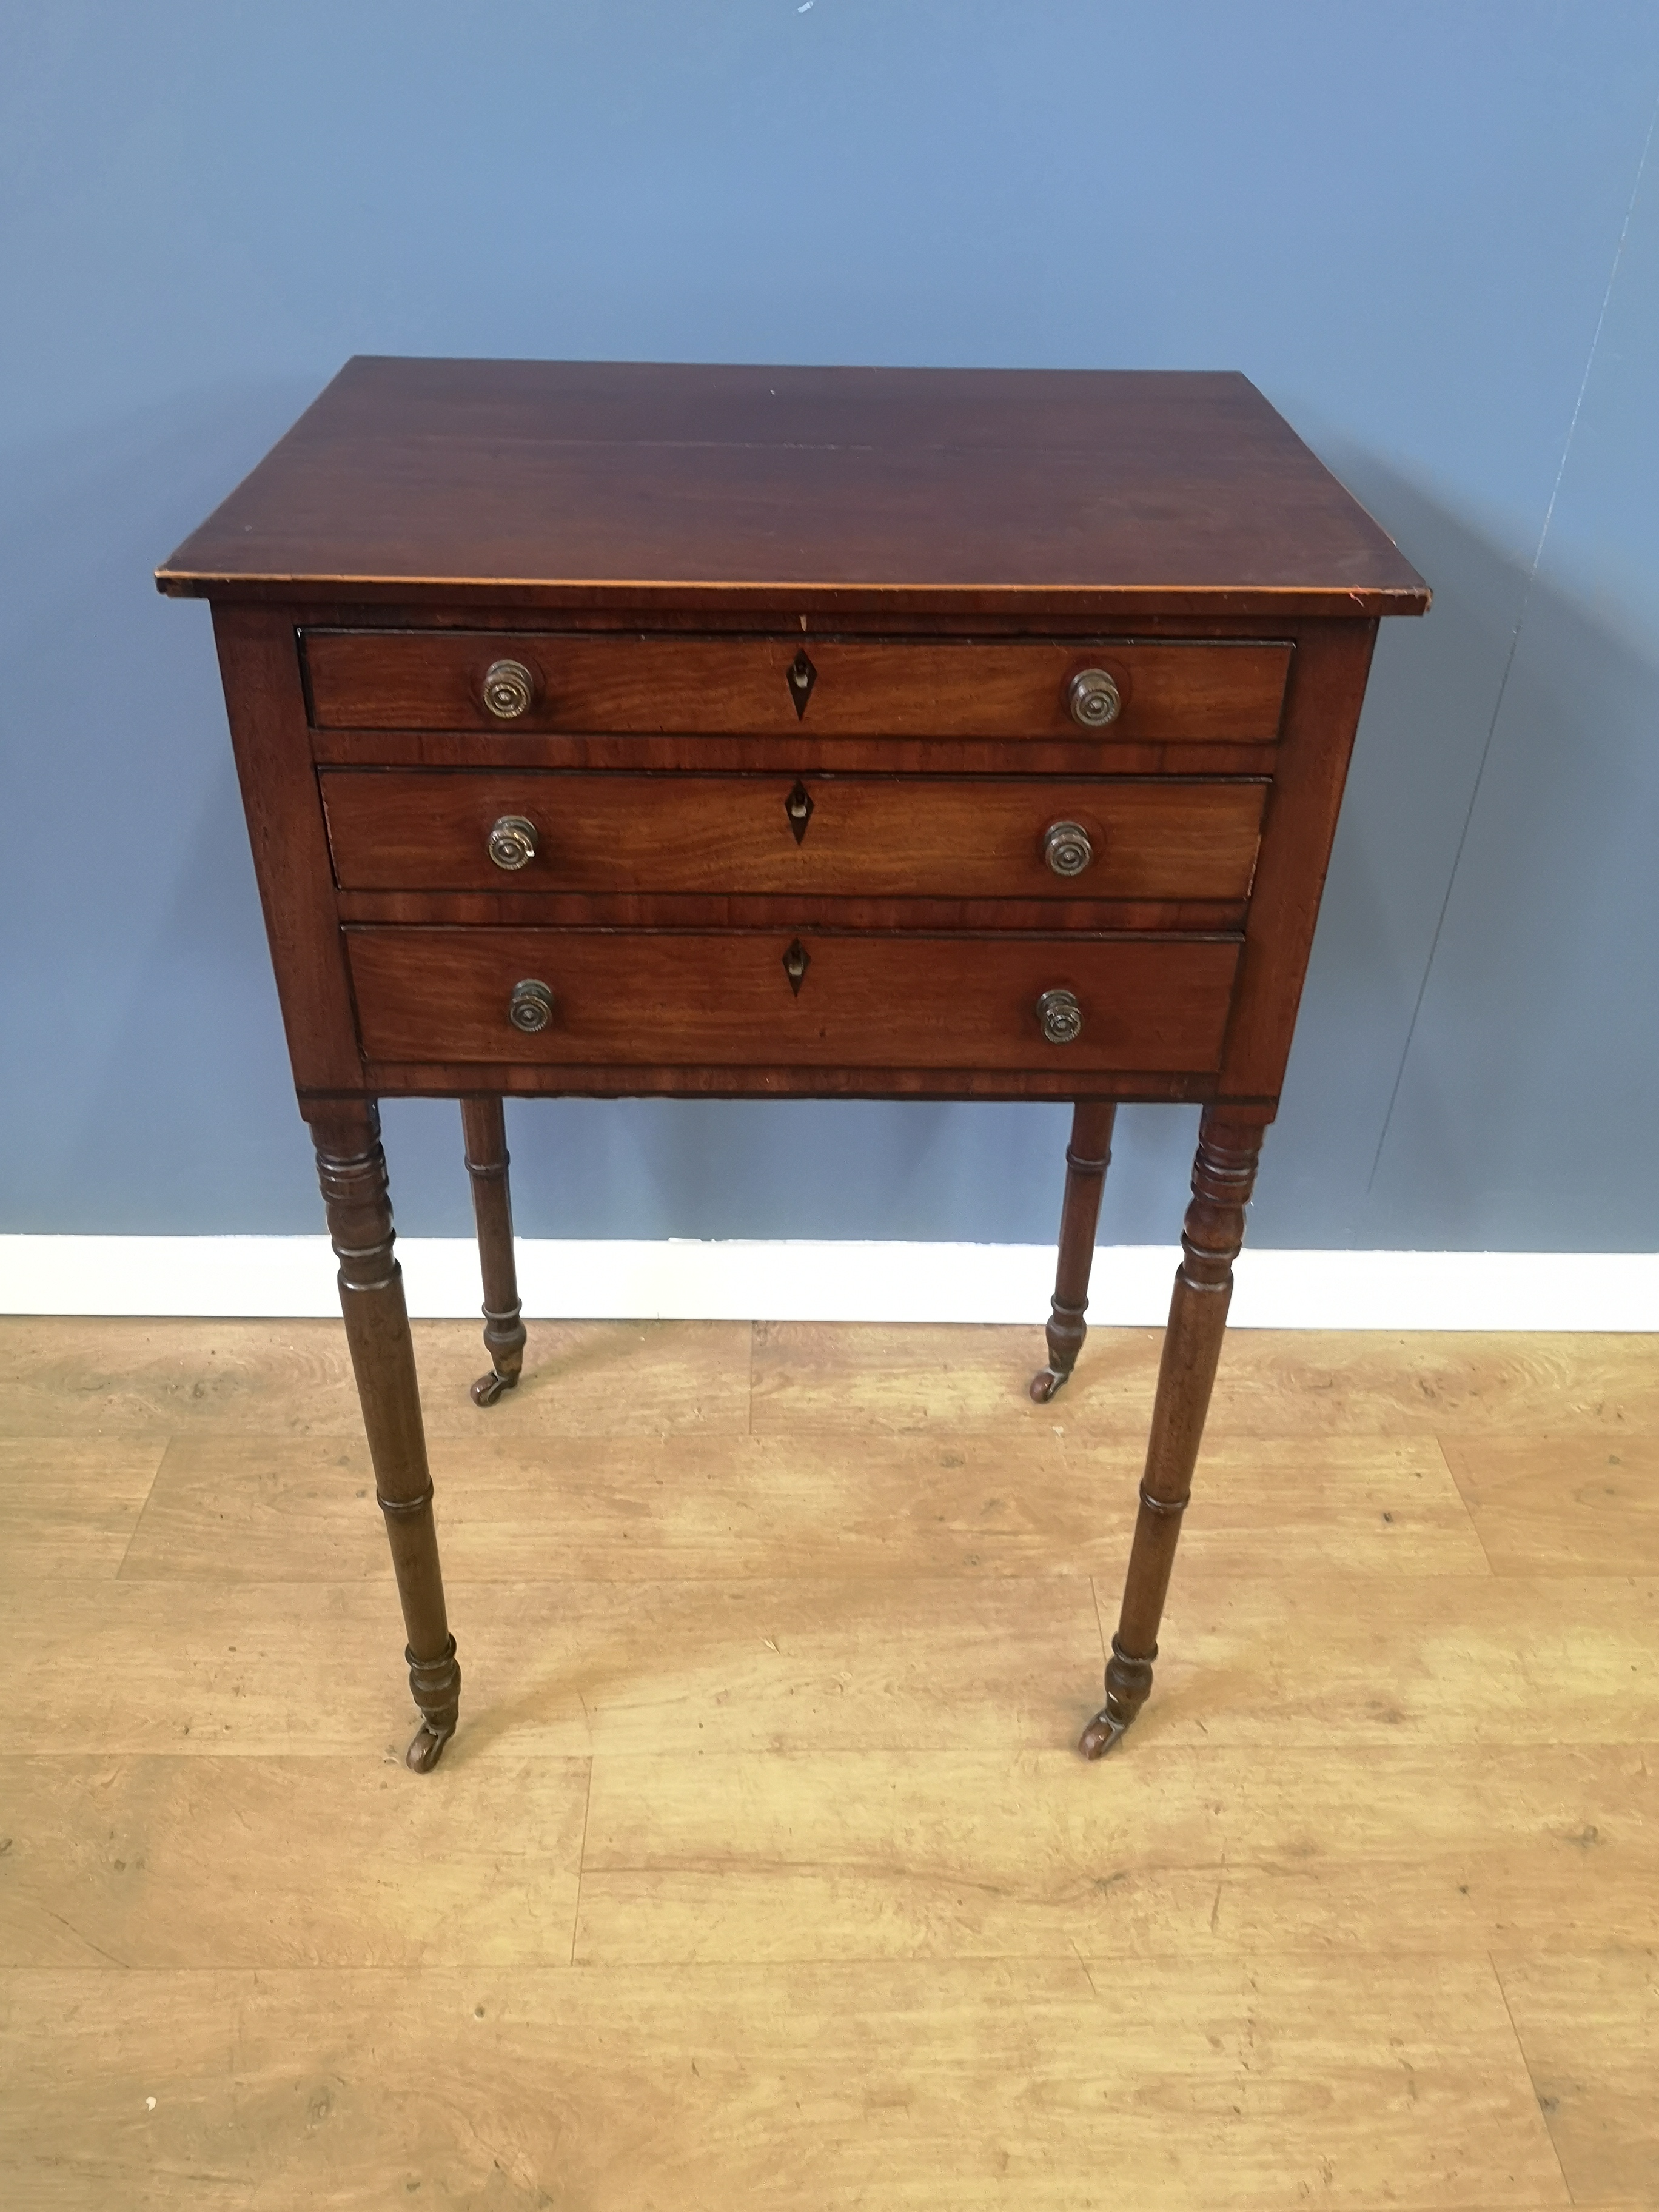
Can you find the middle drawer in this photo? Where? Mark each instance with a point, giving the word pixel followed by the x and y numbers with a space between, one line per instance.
pixel 430 829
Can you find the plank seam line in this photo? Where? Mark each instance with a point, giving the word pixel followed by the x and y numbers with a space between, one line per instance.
pixel 1532 2084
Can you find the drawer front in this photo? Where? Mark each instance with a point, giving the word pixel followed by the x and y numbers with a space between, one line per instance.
pixel 946 837
pixel 1206 693
pixel 762 999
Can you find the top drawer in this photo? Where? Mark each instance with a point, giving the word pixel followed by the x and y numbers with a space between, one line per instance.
pixel 1209 693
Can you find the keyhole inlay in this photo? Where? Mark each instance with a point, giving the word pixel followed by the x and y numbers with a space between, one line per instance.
pixel 802 677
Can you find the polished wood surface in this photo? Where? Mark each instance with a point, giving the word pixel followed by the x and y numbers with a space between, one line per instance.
pixel 893 733
pixel 1224 1175
pixel 945 837
pixel 563 483
pixel 352 1169
pixel 764 1858
pixel 727 1001
pixel 1088 1156
pixel 1226 693
pixel 485 1126
pixel 807 751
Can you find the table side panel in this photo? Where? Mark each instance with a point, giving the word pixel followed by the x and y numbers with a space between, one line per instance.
pixel 1325 693
pixel 264 702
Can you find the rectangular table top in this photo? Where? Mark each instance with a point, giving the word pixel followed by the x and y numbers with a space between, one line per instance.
pixel 590 484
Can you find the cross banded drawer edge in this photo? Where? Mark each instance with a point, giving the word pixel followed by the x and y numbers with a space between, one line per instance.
pixel 1208 691
pixel 766 998
pixel 611 832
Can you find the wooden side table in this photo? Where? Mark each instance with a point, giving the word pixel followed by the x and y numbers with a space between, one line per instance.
pixel 616 730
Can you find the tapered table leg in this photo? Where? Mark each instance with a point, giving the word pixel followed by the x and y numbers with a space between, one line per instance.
pixel 483 1125
pixel 1087 1159
pixel 1229 1145
pixel 351 1169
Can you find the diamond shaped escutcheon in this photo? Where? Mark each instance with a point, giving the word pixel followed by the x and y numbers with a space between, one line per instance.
pixel 802 677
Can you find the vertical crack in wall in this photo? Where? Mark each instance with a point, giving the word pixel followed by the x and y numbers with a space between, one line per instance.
pixel 1515 641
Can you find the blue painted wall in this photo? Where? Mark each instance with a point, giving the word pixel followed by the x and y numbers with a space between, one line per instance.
pixel 1430 233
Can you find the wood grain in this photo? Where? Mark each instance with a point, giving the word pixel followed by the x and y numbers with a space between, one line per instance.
pixel 164 1861
pixel 721 1002
pixel 772 1734
pixel 1583 1504
pixel 805 751
pixel 1405 1849
pixel 590 484
pixel 1492 1660
pixel 977 2084
pixel 1019 1500
pixel 258 666
pixel 1589 2028
pixel 890 837
pixel 68 1506
pixel 294 1378
pixel 1271 1382
pixel 1225 693
pixel 556 1668
pixel 644 1667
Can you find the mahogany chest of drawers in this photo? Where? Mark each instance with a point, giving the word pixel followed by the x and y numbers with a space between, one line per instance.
pixel 619 729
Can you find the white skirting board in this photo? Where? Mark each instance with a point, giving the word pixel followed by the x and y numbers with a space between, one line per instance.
pixel 284 1277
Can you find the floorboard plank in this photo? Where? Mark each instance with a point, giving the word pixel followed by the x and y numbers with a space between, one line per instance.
pixel 1585 1505
pixel 884 1854
pixel 1178 2085
pixel 159 1861
pixel 68 1506
pixel 1589 2028
pixel 897 1378
pixel 261 1379
pixel 282 1508
pixel 557 1669
pixel 1000 1663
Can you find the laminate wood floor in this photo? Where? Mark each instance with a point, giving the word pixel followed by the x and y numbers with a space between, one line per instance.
pixel 762 1873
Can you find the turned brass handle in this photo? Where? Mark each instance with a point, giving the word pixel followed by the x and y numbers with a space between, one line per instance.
pixel 508 689
pixel 1066 847
pixel 531 1007
pixel 1092 697
pixel 1060 1017
pixel 512 842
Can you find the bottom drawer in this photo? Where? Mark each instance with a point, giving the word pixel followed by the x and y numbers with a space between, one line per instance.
pixel 750 998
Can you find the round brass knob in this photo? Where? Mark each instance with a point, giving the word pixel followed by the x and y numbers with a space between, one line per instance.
pixel 512 842
pixel 531 1007
pixel 1060 1017
pixel 1066 848
pixel 1092 697
pixel 508 689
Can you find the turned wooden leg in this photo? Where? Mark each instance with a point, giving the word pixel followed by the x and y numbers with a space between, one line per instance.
pixel 1087 1159
pixel 484 1126
pixel 1229 1144
pixel 351 1168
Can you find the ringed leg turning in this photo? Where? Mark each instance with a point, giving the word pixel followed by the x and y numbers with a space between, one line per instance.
pixel 1223 1174
pixel 1088 1156
pixel 483 1125
pixel 351 1169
